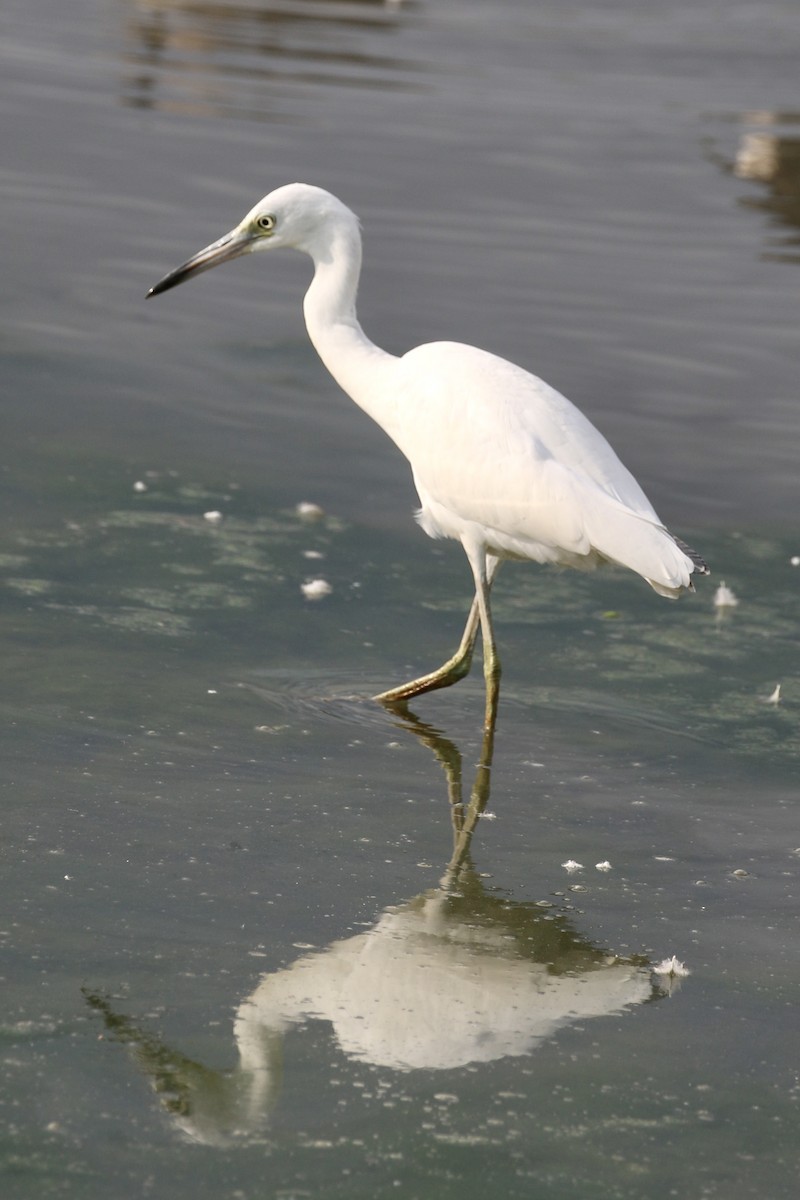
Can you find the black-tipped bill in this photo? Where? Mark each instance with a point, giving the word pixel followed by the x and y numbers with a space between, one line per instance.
pixel 228 247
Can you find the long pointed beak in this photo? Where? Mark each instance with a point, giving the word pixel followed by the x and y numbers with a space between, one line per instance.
pixel 230 246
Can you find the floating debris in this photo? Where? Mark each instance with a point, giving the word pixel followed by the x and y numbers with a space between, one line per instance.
pixel 570 865
pixel 308 511
pixel 773 697
pixel 316 589
pixel 213 517
pixel 603 866
pixel 140 486
pixel 672 967
pixel 724 597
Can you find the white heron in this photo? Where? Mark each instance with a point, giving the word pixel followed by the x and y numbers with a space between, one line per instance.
pixel 501 461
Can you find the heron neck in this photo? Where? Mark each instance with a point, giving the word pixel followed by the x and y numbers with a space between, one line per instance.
pixel 356 363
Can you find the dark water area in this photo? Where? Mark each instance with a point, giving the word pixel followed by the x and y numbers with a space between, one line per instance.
pixel 261 937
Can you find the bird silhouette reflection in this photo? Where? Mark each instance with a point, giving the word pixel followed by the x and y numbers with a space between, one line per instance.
pixel 457 975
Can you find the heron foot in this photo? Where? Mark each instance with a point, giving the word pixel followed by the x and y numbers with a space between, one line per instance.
pixel 449 673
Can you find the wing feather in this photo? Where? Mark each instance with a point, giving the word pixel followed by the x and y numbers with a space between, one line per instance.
pixel 493 446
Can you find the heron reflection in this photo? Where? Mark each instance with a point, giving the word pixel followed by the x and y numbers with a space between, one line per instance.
pixel 458 975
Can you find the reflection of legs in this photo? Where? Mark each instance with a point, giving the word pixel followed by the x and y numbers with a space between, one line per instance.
pixel 447 754
pixel 464 820
pixel 479 797
pixel 459 665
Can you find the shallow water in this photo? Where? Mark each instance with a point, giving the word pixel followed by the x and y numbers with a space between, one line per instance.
pixel 235 960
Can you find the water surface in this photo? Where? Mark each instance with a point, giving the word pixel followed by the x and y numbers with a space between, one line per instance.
pixel 234 958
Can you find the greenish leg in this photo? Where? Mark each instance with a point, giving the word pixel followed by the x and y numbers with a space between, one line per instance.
pixel 491 659
pixel 459 665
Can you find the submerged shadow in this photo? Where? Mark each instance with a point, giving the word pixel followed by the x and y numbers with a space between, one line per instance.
pixel 459 974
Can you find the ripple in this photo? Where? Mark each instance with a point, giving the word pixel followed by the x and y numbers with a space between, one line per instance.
pixel 350 697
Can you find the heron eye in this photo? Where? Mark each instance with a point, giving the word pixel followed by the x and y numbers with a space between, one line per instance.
pixel 266 222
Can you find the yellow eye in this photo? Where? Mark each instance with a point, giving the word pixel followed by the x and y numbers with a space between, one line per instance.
pixel 266 222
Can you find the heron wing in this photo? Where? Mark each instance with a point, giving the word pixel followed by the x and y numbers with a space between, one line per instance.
pixel 493 445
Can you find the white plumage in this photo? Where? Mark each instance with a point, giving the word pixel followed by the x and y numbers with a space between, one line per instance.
pixel 501 461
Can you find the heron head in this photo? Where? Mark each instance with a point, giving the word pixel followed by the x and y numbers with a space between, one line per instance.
pixel 297 216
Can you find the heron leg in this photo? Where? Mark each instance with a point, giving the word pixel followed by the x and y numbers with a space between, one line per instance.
pixel 459 664
pixel 480 562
